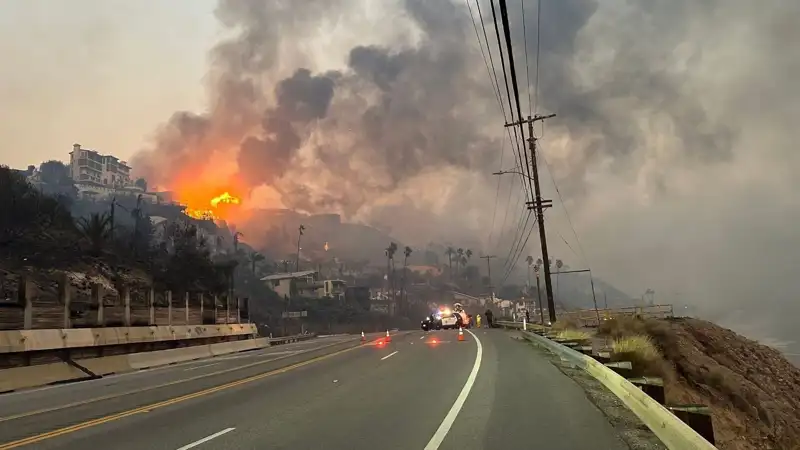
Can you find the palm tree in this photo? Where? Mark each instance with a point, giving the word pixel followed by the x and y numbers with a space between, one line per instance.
pixel 450 252
pixel 97 230
pixel 406 253
pixel 254 258
pixel 390 251
pixel 460 253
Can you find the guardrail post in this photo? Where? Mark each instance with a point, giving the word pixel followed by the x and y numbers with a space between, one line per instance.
pixel 238 310
pixel 64 298
pixel 97 298
pixel 169 307
pixel 202 301
pixel 24 296
pixel 151 304
pixel 186 308
pixel 227 310
pixel 126 301
pixel 654 387
pixel 622 368
pixel 698 417
pixel 215 311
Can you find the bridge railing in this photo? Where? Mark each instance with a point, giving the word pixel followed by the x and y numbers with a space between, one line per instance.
pixel 94 305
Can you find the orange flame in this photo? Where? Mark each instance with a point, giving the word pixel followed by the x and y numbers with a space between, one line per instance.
pixel 211 213
pixel 226 197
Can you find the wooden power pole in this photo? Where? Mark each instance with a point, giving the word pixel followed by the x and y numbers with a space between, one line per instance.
pixel 539 205
pixel 489 267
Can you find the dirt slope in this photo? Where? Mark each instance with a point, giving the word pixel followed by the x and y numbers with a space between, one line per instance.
pixel 753 390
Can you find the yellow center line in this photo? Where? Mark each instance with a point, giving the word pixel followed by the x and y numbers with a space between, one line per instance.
pixel 121 415
pixel 163 385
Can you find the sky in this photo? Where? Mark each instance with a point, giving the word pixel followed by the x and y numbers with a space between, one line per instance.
pixel 674 148
pixel 98 73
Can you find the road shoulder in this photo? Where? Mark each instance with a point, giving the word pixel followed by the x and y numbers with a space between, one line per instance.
pixel 635 433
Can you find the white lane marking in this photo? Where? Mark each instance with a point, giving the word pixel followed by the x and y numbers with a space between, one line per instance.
pixel 200 367
pixel 421 338
pixel 390 355
pixel 257 355
pixel 206 439
pixel 450 418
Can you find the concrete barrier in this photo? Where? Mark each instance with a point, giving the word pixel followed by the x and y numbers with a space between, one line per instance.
pixel 44 374
pixel 30 376
pixel 16 341
pixel 146 360
pixel 671 430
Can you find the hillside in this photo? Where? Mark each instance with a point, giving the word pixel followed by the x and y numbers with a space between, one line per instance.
pixel 754 392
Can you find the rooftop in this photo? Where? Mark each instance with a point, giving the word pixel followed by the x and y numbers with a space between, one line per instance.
pixel 288 275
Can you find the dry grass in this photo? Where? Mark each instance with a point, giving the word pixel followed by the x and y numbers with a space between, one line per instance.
pixel 753 391
pixel 565 324
pixel 643 354
pixel 574 335
pixel 622 327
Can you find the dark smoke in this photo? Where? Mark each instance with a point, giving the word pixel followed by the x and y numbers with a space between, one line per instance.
pixel 301 99
pixel 341 141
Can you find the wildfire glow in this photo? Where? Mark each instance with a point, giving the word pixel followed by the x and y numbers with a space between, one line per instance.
pixel 226 197
pixel 209 195
pixel 213 213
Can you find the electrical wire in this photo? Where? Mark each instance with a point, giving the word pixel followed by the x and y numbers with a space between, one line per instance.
pixel 516 260
pixel 515 85
pixel 527 66
pixel 492 73
pixel 520 139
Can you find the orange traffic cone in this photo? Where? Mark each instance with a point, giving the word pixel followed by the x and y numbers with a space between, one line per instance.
pixel 363 337
pixel 388 336
pixel 460 334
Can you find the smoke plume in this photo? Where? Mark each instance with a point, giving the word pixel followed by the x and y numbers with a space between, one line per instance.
pixel 674 118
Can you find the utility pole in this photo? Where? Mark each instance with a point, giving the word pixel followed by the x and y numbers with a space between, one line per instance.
pixel 489 267
pixel 539 205
pixel 297 264
pixel 539 294
pixel 137 215
pixel 111 217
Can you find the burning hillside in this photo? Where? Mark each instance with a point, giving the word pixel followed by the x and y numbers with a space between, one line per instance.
pixel 209 194
pixel 218 207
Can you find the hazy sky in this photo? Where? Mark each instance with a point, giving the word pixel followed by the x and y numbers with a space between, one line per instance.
pixel 675 147
pixel 100 73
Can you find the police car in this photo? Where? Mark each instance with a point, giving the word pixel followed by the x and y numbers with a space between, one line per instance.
pixel 446 318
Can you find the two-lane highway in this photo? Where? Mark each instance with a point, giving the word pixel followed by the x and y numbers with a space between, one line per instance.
pixel 490 392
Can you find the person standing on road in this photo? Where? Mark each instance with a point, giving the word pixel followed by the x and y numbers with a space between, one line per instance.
pixel 477 320
pixel 488 315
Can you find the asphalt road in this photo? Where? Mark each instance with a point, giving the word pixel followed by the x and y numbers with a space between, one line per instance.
pixel 490 392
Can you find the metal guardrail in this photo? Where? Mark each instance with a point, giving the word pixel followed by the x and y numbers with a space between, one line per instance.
pixel 289 339
pixel 588 317
pixel 673 432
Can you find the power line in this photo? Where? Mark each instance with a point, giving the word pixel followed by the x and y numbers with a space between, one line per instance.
pixel 521 226
pixel 497 197
pixel 527 66
pixel 492 73
pixel 516 259
pixel 566 212
pixel 538 47
pixel 508 207
pixel 513 70
pixel 519 138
